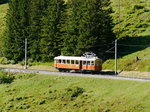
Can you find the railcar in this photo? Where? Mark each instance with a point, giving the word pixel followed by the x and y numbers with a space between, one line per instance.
pixel 79 64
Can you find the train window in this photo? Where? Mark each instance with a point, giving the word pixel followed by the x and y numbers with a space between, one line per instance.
pixel 63 61
pixel 72 61
pixel 68 61
pixel 76 62
pixel 92 62
pixel 84 62
pixel 59 61
pixel 88 62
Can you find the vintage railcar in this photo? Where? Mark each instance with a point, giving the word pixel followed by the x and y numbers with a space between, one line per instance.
pixel 79 64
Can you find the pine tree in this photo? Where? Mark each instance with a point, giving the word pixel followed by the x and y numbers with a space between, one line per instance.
pixel 89 27
pixel 71 29
pixel 52 23
pixel 16 30
pixel 36 13
pixel 95 27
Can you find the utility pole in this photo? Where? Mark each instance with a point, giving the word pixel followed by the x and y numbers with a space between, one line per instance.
pixel 116 57
pixel 25 63
pixel 118 36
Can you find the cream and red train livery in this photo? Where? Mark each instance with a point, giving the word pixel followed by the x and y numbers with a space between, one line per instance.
pixel 67 63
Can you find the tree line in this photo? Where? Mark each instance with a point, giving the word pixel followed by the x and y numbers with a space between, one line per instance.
pixel 57 27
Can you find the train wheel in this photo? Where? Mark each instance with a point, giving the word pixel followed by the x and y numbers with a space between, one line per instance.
pixel 60 70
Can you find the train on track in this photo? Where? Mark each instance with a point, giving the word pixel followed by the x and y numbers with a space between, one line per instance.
pixel 86 63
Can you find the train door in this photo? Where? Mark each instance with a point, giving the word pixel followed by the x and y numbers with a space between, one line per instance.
pixel 88 65
pixel 84 65
pixel 80 64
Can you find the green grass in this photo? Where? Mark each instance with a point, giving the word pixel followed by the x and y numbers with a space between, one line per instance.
pixel 134 16
pixel 127 63
pixel 3 10
pixel 49 93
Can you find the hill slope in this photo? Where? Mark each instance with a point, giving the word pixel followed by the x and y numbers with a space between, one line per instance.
pixel 135 27
pixel 134 16
pixel 135 22
pixel 128 62
pixel 48 93
pixel 3 10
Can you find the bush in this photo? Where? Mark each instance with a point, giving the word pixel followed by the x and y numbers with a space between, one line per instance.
pixel 21 62
pixel 72 92
pixel 6 77
pixel 11 62
pixel 4 60
pixel 137 7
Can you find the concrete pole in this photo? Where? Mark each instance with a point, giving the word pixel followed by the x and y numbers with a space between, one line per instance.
pixel 116 57
pixel 25 63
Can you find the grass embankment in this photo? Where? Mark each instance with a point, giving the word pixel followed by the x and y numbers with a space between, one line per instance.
pixel 128 63
pixel 134 16
pixel 3 10
pixel 49 93
pixel 34 65
pixel 135 22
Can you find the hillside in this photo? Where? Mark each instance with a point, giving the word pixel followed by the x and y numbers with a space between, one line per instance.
pixel 49 93
pixel 135 26
pixel 134 17
pixel 128 63
pixel 3 10
pixel 135 23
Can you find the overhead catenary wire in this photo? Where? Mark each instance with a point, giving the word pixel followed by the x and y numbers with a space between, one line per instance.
pixel 133 45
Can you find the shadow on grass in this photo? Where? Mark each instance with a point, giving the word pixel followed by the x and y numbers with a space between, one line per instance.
pixel 130 45
pixel 3 1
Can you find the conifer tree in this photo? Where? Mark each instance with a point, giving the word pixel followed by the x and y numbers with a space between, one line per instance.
pixel 16 29
pixel 71 29
pixel 35 15
pixel 95 28
pixel 52 25
pixel 89 27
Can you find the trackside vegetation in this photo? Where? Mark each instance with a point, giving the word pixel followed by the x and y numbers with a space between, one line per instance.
pixel 37 92
pixel 128 62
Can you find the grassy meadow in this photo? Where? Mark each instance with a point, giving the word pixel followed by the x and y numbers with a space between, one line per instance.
pixel 51 93
pixel 3 10
pixel 135 25
pixel 134 17
pixel 128 63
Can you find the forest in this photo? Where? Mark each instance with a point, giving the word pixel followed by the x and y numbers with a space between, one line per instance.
pixel 57 27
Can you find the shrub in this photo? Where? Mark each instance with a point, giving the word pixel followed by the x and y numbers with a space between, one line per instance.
pixel 6 77
pixel 11 62
pixel 4 60
pixel 137 7
pixel 21 62
pixel 72 92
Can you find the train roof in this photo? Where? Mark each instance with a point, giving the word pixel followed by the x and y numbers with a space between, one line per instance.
pixel 76 58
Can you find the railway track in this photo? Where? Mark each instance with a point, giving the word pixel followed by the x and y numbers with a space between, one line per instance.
pixel 106 76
